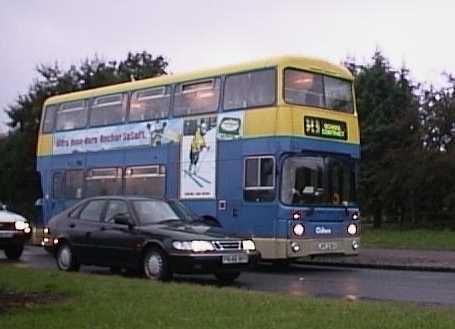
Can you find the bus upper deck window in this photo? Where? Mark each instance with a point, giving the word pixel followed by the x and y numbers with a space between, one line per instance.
pixel 197 97
pixel 150 104
pixel 312 89
pixel 107 110
pixel 49 118
pixel 338 94
pixel 71 115
pixel 303 88
pixel 251 89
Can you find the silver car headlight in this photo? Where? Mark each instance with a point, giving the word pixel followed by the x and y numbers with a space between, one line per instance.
pixel 181 245
pixel 20 225
pixel 201 246
pixel 248 245
pixel 196 246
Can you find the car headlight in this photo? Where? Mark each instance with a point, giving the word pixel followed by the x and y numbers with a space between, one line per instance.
pixel 248 245
pixel 298 229
pixel 20 225
pixel 196 246
pixel 201 246
pixel 352 229
pixel 181 245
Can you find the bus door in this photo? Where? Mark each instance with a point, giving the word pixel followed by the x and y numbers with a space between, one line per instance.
pixel 56 199
pixel 253 212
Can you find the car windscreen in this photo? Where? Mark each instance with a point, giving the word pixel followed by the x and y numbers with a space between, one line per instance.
pixel 156 211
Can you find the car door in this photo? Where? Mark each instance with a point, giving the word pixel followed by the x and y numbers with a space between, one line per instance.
pixel 81 231
pixel 117 243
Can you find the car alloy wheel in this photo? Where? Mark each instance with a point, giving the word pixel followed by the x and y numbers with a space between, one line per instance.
pixel 14 252
pixel 156 265
pixel 65 259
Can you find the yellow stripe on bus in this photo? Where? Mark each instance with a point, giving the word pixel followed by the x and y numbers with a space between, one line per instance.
pixel 288 121
pixel 45 144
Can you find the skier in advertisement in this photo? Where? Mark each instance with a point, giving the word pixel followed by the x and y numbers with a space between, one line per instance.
pixel 197 145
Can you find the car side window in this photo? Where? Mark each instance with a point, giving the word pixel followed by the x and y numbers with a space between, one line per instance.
pixel 114 208
pixel 93 210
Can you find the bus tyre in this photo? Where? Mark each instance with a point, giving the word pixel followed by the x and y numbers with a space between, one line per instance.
pixel 227 277
pixel 156 265
pixel 14 252
pixel 66 260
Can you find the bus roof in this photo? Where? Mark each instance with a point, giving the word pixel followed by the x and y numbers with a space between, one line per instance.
pixel 300 62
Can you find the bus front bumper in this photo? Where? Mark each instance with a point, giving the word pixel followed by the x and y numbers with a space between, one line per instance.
pixel 296 248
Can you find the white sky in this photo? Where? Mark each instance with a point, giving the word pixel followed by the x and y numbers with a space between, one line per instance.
pixel 196 34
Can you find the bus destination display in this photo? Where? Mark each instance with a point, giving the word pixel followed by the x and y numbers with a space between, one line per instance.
pixel 325 128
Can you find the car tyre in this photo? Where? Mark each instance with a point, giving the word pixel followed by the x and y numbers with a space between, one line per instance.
pixel 156 265
pixel 227 277
pixel 66 260
pixel 14 252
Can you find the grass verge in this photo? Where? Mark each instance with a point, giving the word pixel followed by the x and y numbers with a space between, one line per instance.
pixel 95 301
pixel 409 239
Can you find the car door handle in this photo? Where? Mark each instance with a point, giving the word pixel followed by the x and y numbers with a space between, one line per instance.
pixel 103 228
pixel 72 225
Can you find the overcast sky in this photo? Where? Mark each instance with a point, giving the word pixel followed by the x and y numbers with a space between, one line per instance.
pixel 202 33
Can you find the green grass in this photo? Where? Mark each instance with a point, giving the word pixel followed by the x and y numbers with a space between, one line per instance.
pixel 409 239
pixel 96 301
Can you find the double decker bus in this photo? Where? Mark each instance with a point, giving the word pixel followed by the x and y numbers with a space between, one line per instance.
pixel 267 148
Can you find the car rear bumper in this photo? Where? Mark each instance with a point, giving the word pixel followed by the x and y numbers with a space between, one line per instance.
pixel 208 263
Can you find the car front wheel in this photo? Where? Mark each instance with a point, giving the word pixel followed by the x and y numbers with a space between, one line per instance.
pixel 66 261
pixel 227 277
pixel 156 265
pixel 14 252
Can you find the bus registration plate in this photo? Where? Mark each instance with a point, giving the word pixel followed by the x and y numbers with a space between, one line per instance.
pixel 235 259
pixel 327 245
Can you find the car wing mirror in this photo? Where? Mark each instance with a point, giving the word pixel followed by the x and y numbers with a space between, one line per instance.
pixel 123 219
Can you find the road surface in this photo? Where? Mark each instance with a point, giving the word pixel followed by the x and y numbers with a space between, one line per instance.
pixel 311 281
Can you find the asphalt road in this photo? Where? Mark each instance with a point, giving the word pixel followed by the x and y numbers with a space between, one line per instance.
pixel 314 281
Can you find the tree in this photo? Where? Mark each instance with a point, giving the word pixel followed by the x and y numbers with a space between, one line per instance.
pixel 20 182
pixel 387 105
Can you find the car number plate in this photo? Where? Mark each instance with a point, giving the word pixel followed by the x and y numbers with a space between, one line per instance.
pixel 6 234
pixel 235 259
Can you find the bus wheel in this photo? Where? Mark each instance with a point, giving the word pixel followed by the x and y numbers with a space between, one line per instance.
pixel 227 277
pixel 14 252
pixel 156 265
pixel 66 261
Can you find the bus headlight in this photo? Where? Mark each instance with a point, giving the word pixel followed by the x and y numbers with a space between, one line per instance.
pixel 295 246
pixel 248 245
pixel 352 229
pixel 355 244
pixel 298 229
